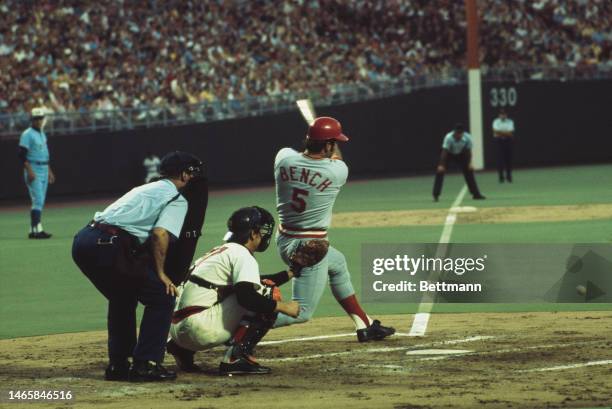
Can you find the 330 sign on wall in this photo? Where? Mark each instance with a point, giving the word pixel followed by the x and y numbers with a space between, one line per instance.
pixel 503 96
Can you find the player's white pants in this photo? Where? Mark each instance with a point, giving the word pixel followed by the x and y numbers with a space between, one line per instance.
pixel 308 288
pixel 211 327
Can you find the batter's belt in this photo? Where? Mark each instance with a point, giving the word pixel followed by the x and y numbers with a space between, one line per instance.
pixel 302 233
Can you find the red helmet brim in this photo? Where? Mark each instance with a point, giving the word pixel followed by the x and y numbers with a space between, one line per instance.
pixel 342 138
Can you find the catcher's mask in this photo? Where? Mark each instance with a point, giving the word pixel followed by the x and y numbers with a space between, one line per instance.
pixel 175 163
pixel 243 221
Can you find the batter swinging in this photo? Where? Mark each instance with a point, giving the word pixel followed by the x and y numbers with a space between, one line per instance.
pixel 307 184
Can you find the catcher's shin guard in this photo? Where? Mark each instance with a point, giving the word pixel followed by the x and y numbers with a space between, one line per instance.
pixel 251 331
pixel 239 355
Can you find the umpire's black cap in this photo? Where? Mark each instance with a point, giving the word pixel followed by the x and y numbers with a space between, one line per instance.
pixel 174 163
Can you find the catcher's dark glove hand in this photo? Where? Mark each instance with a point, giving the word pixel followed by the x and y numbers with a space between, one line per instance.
pixel 270 290
pixel 307 254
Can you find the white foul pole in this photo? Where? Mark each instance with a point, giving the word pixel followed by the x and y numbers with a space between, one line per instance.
pixel 474 88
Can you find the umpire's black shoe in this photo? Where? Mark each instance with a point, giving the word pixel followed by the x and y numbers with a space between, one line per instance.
pixel 117 372
pixel 243 366
pixel 183 357
pixel 375 332
pixel 40 235
pixel 478 197
pixel 149 371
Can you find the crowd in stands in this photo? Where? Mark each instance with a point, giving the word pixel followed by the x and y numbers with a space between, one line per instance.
pixel 85 56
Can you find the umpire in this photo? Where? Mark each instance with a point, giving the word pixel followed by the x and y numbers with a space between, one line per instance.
pixel 457 147
pixel 503 132
pixel 123 253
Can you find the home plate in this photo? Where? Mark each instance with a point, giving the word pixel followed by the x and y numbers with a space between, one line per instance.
pixel 438 351
pixel 463 209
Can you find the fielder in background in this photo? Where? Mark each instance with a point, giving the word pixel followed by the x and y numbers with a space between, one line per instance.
pixel 34 154
pixel 226 300
pixel 457 147
pixel 503 132
pixel 307 184
pixel 151 164
pixel 123 252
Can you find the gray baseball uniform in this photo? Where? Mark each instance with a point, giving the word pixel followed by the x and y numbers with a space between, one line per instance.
pixel 306 190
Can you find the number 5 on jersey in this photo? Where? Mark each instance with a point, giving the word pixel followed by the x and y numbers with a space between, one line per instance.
pixel 297 200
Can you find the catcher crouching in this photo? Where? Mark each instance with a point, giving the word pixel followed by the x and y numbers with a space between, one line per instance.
pixel 224 300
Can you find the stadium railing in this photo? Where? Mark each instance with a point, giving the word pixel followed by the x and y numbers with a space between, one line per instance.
pixel 147 116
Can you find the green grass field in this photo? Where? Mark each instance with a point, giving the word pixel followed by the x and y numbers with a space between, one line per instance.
pixel 43 292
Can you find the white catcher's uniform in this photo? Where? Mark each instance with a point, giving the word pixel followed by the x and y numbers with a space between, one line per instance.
pixel 306 190
pixel 225 265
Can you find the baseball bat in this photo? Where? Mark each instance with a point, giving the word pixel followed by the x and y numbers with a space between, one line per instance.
pixel 307 110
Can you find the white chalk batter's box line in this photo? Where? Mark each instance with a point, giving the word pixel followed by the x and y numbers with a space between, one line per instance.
pixel 373 350
pixel 413 350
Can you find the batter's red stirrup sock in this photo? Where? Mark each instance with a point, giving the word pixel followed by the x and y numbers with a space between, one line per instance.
pixel 354 310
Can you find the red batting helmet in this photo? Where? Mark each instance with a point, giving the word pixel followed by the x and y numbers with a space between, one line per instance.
pixel 325 128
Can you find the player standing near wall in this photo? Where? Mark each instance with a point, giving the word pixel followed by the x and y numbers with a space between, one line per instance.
pixel 307 184
pixel 34 154
pixel 151 164
pixel 503 132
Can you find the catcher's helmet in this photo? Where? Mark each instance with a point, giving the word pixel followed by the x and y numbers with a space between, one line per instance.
pixel 326 128
pixel 243 221
pixel 174 163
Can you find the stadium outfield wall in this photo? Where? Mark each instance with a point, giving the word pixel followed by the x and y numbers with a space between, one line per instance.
pixel 557 123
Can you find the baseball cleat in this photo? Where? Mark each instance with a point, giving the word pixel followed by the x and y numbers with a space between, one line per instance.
pixel 375 332
pixel 478 197
pixel 436 198
pixel 117 372
pixel 183 357
pixel 40 235
pixel 149 371
pixel 242 366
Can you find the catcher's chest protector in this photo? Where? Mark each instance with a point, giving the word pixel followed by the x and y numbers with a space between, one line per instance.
pixel 180 254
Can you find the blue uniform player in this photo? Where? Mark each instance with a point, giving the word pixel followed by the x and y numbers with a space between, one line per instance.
pixel 123 252
pixel 34 154
pixel 457 147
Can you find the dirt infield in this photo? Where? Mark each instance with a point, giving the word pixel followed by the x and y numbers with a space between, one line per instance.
pixel 511 360
pixel 484 215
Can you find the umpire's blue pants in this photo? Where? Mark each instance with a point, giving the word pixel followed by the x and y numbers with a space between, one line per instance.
pixel 94 253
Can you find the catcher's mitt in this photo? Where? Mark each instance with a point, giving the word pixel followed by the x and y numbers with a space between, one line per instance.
pixel 308 254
